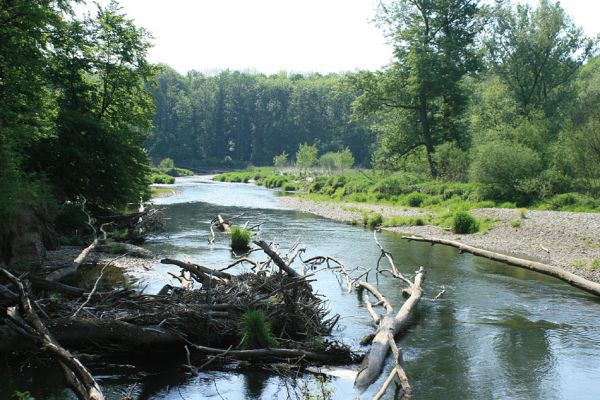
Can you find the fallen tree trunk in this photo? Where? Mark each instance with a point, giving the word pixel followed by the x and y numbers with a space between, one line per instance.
pixel 387 327
pixel 78 377
pixel 568 277
pixel 277 259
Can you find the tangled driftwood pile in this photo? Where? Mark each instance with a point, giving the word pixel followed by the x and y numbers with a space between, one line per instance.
pixel 202 317
pixel 200 320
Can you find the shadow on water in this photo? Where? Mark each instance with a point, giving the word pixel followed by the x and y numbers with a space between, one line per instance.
pixel 498 332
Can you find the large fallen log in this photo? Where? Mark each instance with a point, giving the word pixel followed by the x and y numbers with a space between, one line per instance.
pixel 388 326
pixel 566 276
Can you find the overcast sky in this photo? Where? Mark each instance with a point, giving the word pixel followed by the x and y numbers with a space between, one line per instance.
pixel 273 35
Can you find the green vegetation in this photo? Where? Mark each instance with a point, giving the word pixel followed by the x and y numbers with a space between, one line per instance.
pixel 464 222
pixel 506 112
pixel 372 220
pixel 592 265
pixel 306 156
pixel 75 112
pixel 233 119
pixel 240 238
pixel 166 172
pixel 256 330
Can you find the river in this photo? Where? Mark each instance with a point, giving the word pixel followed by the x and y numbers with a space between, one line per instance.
pixel 498 332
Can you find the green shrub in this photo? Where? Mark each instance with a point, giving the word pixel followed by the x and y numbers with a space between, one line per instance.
pixel 161 178
pixel 288 187
pixel 374 220
pixel 572 201
pixel 255 330
pixel 329 160
pixel 507 170
pixel 70 217
pixel 464 222
pixel 415 199
pixel 280 160
pixel 306 156
pixel 240 238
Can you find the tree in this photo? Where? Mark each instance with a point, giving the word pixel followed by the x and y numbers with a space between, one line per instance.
pixel 28 32
pixel 281 160
pixel 104 112
pixel 419 99
pixel 536 52
pixel 345 159
pixel 306 156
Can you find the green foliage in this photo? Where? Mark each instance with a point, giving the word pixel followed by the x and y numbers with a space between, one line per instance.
pixel 415 199
pixel 572 202
pixel 255 330
pixel 373 220
pixel 288 187
pixel 281 160
pixel 464 222
pixel 240 238
pixel 346 159
pixel 22 395
pixel 418 100
pixel 252 118
pixel 70 217
pixel 506 169
pixel 515 224
pixel 306 156
pixel 166 163
pixel 452 162
pixel 329 160
pixel 536 53
pixel 404 221
pixel 161 178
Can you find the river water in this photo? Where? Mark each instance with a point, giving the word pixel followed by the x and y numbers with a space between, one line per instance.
pixel 498 332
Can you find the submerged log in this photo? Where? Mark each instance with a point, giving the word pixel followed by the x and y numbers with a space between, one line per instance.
pixel 570 278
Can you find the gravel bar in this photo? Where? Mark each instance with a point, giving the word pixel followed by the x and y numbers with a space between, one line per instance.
pixel 569 240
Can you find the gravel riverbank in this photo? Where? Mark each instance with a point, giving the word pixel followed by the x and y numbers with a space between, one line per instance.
pixel 569 240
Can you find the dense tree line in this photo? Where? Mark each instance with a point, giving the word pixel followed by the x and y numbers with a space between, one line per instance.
pixel 74 110
pixel 236 118
pixel 505 96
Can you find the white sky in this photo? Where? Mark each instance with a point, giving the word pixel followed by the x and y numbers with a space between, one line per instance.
pixel 273 35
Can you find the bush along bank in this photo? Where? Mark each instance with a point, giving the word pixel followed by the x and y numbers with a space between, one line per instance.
pixel 444 204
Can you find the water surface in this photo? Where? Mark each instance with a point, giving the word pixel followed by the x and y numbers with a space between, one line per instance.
pixel 498 332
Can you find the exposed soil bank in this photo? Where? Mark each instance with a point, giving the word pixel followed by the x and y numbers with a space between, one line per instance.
pixel 569 240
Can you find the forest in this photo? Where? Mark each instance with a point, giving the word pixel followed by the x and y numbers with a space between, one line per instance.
pixel 506 97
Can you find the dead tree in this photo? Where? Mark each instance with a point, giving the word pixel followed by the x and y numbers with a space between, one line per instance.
pixel 566 276
pixel 389 325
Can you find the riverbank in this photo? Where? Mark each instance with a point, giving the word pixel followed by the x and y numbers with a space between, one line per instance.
pixel 569 240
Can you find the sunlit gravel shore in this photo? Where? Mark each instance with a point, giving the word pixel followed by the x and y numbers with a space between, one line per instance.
pixel 569 240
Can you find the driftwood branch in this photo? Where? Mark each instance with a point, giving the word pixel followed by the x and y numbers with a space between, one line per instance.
pixel 387 255
pixel 276 258
pixel 79 378
pixel 570 278
pixel 202 274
